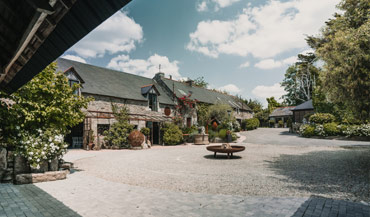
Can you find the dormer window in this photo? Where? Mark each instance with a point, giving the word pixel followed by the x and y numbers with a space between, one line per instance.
pixel 153 101
pixel 151 93
pixel 73 78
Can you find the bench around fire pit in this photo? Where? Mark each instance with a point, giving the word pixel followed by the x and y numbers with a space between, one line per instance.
pixel 230 151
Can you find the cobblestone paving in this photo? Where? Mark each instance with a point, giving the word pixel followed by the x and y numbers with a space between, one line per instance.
pixel 30 201
pixel 320 206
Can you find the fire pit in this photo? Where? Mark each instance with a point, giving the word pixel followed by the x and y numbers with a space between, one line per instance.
pixel 229 151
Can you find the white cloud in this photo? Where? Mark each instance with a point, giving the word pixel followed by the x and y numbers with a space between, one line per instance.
pixel 74 58
pixel 272 64
pixel 119 33
pixel 268 64
pixel 263 31
pixel 230 88
pixel 216 4
pixel 147 68
pixel 275 90
pixel 202 6
pixel 245 65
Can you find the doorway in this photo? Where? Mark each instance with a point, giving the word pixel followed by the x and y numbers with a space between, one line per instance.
pixel 154 132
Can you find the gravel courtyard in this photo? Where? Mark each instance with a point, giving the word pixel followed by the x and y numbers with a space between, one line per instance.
pixel 340 172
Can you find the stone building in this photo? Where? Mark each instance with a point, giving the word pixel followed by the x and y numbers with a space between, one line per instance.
pixel 148 105
pixel 282 114
pixel 151 102
pixel 301 110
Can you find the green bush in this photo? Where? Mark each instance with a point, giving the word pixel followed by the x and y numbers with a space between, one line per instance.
pixel 172 135
pixel 234 137
pixel 307 116
pixel 289 122
pixel 331 129
pixel 145 131
pixel 212 135
pixel 190 130
pixel 307 130
pixel 281 123
pixel 222 133
pixel 251 124
pixel 271 123
pixel 322 118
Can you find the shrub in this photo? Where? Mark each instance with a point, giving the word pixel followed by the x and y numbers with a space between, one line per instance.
pixel 321 118
pixel 190 130
pixel 172 135
pixel 319 130
pixel 271 123
pixel 331 129
pixel 281 123
pixel 145 131
pixel 119 131
pixel 357 130
pixel 307 130
pixel 307 116
pixel 222 133
pixel 136 138
pixel 234 137
pixel 212 135
pixel 251 124
pixel 289 122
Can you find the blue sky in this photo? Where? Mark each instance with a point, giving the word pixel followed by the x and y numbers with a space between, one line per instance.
pixel 241 46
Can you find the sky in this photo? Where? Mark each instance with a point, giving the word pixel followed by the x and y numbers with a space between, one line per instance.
pixel 239 46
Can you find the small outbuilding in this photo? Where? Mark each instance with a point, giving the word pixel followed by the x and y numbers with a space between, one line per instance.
pixel 301 110
pixel 281 113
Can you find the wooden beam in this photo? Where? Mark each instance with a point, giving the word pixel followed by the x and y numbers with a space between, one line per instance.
pixel 42 6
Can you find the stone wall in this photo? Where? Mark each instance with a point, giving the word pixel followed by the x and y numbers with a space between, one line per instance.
pixel 11 166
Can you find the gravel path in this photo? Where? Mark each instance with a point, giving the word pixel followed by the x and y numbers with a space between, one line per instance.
pixel 281 136
pixel 261 170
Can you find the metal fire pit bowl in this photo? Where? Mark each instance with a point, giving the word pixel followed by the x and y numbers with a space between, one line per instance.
pixel 229 152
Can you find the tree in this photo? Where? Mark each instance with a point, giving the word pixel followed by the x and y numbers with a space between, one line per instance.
pixel 203 114
pixel 221 112
pixel 118 134
pixel 35 118
pixel 200 82
pixel 272 104
pixel 254 104
pixel 300 80
pixel 344 47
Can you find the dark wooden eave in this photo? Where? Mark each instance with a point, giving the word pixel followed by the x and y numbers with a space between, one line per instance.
pixel 36 32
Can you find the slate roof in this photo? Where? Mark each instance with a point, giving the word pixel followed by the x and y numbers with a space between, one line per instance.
pixel 304 106
pixel 204 95
pixel 108 82
pixel 282 111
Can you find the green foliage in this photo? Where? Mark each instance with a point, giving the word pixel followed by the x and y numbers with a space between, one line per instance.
pixel 321 118
pixel 344 47
pixel 203 114
pixel 119 131
pixel 190 130
pixel 145 131
pixel 331 129
pixel 300 80
pixel 220 112
pixel 212 135
pixel 307 130
pixel 272 104
pixel 36 117
pixel 289 122
pixel 272 123
pixel 281 123
pixel 222 133
pixel 200 82
pixel 172 135
pixel 255 105
pixel 251 124
pixel 234 137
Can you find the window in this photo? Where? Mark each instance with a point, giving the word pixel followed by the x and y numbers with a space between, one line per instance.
pixel 153 101
pixel 102 128
pixel 71 83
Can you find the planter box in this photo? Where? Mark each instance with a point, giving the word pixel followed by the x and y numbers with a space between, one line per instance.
pixel 201 139
pixel 29 178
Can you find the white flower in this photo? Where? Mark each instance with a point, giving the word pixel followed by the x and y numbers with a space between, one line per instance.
pixel 38 166
pixel 17 127
pixel 42 153
pixel 38 160
pixel 31 153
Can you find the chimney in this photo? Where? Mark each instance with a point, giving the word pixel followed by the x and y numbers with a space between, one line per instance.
pixel 189 82
pixel 159 75
pixel 170 77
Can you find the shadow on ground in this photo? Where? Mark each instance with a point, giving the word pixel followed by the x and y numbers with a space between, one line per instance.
pixel 29 200
pixel 321 206
pixel 221 157
pixel 344 173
